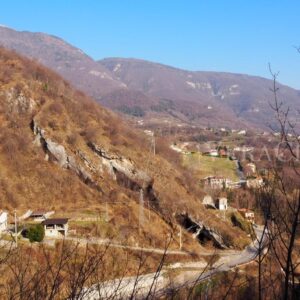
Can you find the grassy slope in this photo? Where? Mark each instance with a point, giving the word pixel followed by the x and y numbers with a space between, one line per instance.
pixel 205 166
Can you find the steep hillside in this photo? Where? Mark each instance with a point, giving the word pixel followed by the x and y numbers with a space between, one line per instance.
pixel 204 97
pixel 60 150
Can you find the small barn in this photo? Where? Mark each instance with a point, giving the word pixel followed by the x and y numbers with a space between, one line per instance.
pixel 3 221
pixel 40 215
pixel 56 227
pixel 222 203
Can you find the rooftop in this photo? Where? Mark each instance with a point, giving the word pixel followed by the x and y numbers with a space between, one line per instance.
pixel 57 221
pixel 38 213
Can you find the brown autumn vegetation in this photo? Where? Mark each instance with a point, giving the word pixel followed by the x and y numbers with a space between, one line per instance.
pixel 30 92
pixel 67 270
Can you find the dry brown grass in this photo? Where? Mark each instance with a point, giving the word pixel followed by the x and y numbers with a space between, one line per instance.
pixel 73 119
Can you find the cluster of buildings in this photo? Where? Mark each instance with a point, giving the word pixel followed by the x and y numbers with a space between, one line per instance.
pixel 220 182
pixel 54 227
pixel 243 149
pixel 226 130
pixel 221 203
pixel 224 152
pixel 247 173
pixel 220 152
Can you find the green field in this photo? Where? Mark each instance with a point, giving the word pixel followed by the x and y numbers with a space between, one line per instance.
pixel 215 166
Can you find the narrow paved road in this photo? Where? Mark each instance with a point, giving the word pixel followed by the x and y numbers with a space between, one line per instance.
pixel 110 243
pixel 239 173
pixel 141 286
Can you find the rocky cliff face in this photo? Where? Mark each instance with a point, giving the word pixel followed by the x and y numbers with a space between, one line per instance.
pixel 202 231
pixel 56 152
pixel 17 102
pixel 119 168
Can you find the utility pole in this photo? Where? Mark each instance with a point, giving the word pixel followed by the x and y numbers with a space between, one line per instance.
pixel 149 210
pixel 16 230
pixel 141 214
pixel 180 238
pixel 153 142
pixel 106 212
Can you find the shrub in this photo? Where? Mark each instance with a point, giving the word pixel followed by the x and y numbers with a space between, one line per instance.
pixel 90 133
pixel 135 111
pixel 56 108
pixel 239 221
pixel 53 124
pixel 71 139
pixel 164 105
pixel 10 148
pixel 35 233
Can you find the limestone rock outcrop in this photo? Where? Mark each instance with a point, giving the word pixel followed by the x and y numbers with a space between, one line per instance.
pixel 201 231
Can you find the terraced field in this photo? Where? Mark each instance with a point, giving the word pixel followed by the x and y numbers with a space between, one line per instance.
pixel 210 166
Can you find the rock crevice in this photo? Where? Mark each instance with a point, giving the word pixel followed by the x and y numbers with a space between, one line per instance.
pixel 201 231
pixel 121 169
pixel 125 172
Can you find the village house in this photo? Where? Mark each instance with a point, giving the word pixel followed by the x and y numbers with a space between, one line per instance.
pixel 235 184
pixel 242 132
pixel 221 203
pixel 56 227
pixel 3 221
pixel 247 214
pixel 149 132
pixel 213 153
pixel 40 215
pixel 250 170
pixel 216 182
pixel 222 152
pixel 243 149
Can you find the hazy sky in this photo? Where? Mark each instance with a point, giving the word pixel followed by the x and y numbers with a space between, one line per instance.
pixel 227 35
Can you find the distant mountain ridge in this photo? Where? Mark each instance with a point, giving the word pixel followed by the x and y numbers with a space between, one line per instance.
pixel 137 87
pixel 234 97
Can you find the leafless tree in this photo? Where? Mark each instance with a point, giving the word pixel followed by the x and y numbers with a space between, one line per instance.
pixel 280 199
